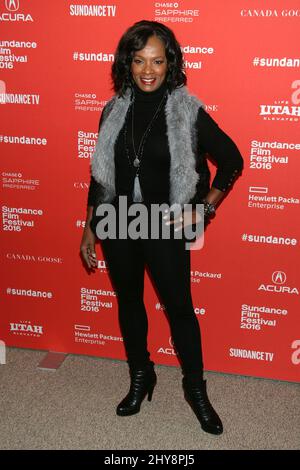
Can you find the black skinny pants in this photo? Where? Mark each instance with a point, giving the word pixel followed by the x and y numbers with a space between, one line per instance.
pixel 168 264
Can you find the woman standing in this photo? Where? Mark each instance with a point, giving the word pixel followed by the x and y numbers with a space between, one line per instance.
pixel 151 149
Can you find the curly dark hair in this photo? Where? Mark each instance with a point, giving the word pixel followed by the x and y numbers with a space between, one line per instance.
pixel 134 39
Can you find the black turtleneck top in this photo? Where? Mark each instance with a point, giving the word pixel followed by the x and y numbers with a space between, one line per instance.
pixel 155 161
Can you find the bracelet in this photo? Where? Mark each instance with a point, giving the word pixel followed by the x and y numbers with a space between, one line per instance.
pixel 209 208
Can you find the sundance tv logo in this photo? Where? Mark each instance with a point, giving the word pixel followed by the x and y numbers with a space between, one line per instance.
pixel 93 10
pixel 278 287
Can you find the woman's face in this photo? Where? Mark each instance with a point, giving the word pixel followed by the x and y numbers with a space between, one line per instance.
pixel 149 65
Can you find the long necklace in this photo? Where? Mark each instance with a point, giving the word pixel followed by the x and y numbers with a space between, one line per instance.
pixel 137 192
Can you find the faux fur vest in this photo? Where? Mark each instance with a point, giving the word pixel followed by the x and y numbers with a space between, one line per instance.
pixel 181 113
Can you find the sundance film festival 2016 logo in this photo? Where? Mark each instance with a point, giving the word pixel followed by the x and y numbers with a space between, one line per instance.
pixel 91 300
pixel 279 279
pixel 15 218
pixel 282 110
pixel 12 13
pixel 192 51
pixel 263 154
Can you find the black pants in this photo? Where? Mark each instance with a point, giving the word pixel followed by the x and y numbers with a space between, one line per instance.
pixel 168 263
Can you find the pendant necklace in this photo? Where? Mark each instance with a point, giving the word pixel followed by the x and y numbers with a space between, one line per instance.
pixel 137 192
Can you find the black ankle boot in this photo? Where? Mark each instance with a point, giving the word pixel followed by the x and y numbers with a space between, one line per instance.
pixel 196 396
pixel 143 381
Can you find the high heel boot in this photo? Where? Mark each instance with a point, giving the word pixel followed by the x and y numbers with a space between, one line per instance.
pixel 196 396
pixel 142 382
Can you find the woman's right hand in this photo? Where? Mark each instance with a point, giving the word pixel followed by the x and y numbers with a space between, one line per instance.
pixel 87 247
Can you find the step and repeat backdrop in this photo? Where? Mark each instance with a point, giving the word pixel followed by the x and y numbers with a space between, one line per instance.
pixel 242 60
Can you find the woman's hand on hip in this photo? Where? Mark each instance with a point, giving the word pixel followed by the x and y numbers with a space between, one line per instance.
pixel 185 219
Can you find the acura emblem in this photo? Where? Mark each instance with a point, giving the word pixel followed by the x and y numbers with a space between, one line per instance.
pixel 12 5
pixel 278 277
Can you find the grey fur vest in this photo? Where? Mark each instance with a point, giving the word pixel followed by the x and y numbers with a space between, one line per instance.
pixel 181 113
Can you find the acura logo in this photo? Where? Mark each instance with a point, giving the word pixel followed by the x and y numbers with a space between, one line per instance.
pixel 278 277
pixel 171 342
pixel 12 5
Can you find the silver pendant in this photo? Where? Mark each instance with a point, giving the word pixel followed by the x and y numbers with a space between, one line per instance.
pixel 137 192
pixel 136 162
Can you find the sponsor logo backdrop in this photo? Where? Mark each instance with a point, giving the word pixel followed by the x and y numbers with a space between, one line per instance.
pixel 243 61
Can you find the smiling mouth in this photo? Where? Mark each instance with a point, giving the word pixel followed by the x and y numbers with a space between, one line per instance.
pixel 148 81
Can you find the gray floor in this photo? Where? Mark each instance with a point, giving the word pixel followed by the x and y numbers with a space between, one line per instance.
pixel 74 408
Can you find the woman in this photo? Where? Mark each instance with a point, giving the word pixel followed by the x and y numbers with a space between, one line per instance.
pixel 151 149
